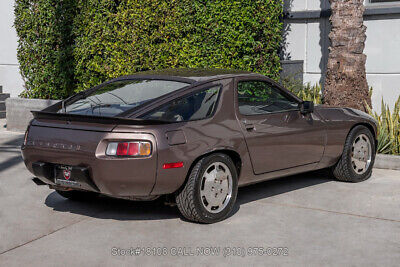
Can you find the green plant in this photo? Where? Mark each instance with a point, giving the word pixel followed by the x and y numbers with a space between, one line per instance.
pixel 71 45
pixel 388 128
pixel 291 83
pixel 304 91
pixel 311 93
pixel 45 46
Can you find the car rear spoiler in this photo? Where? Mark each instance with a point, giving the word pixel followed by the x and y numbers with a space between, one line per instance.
pixel 93 119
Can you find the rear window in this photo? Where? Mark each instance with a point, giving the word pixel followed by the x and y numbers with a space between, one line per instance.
pixel 117 97
pixel 195 106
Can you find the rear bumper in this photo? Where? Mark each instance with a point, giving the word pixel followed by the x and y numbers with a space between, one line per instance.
pixel 47 173
pixel 114 177
pixel 84 151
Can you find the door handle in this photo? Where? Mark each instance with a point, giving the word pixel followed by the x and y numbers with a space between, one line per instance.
pixel 249 126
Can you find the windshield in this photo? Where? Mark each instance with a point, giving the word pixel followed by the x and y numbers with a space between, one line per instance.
pixel 117 97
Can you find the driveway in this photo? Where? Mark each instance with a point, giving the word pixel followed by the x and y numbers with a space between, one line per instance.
pixel 317 221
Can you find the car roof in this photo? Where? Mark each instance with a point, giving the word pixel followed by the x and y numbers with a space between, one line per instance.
pixel 192 75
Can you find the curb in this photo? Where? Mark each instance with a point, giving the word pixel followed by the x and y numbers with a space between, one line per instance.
pixel 390 162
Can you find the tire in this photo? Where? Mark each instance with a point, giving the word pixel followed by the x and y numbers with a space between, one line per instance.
pixel 345 168
pixel 76 195
pixel 190 199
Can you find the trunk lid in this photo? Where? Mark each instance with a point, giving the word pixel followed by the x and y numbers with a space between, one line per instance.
pixel 84 122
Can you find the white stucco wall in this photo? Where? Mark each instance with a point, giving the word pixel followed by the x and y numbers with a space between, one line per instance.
pixel 10 77
pixel 381 47
pixel 304 43
pixel 301 5
pixel 383 59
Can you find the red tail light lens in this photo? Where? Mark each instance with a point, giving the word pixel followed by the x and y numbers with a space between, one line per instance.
pixel 122 149
pixel 130 149
pixel 133 149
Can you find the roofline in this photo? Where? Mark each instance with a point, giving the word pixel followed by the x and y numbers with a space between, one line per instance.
pixel 151 77
pixel 180 78
pixel 191 83
pixel 195 84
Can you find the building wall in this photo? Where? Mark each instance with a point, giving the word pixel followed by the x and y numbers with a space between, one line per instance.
pixel 307 39
pixel 10 78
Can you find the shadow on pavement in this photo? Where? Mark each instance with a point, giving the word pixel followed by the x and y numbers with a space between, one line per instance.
pixel 15 141
pixel 7 147
pixel 117 209
pixel 281 185
pixel 10 162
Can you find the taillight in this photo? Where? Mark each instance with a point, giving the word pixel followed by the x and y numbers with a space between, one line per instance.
pixel 26 136
pixel 129 149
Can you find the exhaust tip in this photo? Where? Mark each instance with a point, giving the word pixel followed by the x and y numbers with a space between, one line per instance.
pixel 37 181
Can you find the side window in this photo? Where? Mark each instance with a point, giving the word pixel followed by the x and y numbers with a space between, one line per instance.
pixel 196 106
pixel 257 97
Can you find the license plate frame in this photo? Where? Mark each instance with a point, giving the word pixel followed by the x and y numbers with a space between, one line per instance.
pixel 64 177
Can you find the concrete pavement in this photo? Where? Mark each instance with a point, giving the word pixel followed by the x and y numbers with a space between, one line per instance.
pixel 319 222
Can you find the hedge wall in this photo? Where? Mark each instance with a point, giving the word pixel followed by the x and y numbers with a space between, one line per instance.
pixel 96 40
pixel 45 48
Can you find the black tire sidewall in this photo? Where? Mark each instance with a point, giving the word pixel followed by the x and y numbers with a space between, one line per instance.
pixel 207 216
pixel 353 135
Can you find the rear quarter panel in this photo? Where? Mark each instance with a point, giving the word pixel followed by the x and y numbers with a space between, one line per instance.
pixel 221 132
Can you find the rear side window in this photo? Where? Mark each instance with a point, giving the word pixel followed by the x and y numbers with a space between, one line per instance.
pixel 196 106
pixel 117 97
pixel 259 97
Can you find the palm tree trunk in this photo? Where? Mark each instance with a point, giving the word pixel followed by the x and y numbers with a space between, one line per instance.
pixel 346 83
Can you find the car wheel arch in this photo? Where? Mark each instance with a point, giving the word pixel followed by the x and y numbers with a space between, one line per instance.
pixel 369 127
pixel 232 154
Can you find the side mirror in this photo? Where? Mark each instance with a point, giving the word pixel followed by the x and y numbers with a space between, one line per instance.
pixel 306 107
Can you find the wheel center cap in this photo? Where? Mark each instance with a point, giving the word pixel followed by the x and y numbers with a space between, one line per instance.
pixel 220 176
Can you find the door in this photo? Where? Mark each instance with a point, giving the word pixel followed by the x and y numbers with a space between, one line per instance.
pixel 277 134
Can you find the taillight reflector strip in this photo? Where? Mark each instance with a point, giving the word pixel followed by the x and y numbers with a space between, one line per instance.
pixel 173 165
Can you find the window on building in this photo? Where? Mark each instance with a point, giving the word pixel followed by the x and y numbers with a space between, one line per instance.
pixel 381 1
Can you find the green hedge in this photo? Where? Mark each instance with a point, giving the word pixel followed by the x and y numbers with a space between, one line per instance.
pixel 109 38
pixel 45 48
